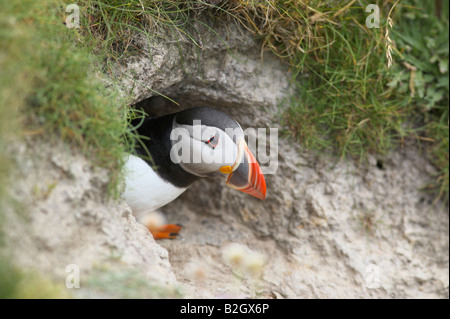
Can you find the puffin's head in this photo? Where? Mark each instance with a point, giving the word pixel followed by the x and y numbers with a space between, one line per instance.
pixel 205 141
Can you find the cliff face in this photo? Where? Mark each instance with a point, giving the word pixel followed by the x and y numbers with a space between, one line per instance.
pixel 328 228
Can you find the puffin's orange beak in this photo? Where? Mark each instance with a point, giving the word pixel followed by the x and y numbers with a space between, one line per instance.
pixel 247 177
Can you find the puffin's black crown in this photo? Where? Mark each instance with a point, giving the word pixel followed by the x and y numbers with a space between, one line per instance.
pixel 208 116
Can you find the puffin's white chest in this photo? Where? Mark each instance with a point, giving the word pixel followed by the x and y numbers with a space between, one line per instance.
pixel 145 191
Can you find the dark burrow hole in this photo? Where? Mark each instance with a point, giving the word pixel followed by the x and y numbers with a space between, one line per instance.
pixel 380 164
pixel 157 106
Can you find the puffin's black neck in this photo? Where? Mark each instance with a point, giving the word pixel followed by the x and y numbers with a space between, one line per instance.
pixel 158 131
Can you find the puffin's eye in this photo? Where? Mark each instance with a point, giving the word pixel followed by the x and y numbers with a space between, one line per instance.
pixel 213 141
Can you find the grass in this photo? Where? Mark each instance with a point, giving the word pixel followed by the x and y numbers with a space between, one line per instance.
pixel 422 73
pixel 439 155
pixel 342 105
pixel 56 91
pixel 114 24
pixel 17 283
pixel 348 100
pixel 125 283
pixel 49 89
pixel 10 104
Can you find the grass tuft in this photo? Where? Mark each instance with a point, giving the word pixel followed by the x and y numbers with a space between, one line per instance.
pixel 57 89
pixel 361 90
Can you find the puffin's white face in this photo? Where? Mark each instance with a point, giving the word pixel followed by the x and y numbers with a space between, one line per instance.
pixel 203 149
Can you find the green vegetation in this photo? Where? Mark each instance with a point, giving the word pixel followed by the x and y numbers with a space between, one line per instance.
pixel 113 25
pixel 51 88
pixel 128 283
pixel 48 88
pixel 15 283
pixel 348 99
pixel 422 36
pixel 345 104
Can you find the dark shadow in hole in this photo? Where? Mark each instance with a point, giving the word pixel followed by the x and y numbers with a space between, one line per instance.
pixel 156 106
pixel 380 164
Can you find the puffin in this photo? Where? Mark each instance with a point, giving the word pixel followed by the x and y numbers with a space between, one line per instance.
pixel 175 150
